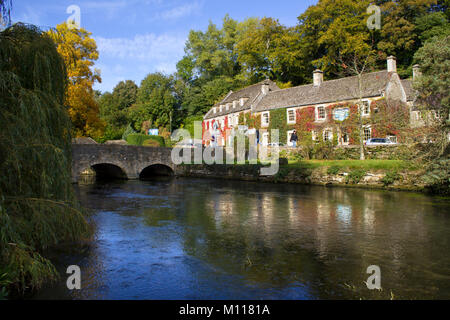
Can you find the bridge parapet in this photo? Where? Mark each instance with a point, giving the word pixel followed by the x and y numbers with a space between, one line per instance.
pixel 131 160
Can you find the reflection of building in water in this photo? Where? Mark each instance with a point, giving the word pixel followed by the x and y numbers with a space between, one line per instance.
pixel 344 214
pixel 325 221
pixel 294 210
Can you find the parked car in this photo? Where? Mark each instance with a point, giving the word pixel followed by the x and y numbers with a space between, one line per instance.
pixel 380 142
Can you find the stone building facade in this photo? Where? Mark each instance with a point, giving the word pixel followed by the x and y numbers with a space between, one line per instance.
pixel 251 109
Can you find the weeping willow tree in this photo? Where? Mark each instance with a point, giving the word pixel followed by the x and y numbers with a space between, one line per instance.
pixel 38 209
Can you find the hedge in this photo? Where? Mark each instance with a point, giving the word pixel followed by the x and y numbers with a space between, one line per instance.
pixel 139 139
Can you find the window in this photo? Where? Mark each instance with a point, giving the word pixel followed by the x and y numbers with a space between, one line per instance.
pixel 220 108
pixel 265 119
pixel 215 110
pixel 291 116
pixel 228 106
pixel 345 139
pixel 314 136
pixel 367 133
pixel 235 103
pixel 327 135
pixel 321 113
pixel 366 108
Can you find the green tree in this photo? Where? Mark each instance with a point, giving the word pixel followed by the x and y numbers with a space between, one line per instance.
pixel 334 30
pixel 38 209
pixel 434 83
pixel 114 108
pixel 156 102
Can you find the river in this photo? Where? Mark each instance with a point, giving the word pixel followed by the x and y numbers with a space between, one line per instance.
pixel 215 239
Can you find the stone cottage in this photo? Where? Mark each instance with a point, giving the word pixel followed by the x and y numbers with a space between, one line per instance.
pixel 252 109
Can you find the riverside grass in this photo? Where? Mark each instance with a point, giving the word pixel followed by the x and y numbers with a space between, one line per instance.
pixel 38 209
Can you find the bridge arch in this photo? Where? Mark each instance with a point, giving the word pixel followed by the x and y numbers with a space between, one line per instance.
pixel 104 171
pixel 109 171
pixel 157 169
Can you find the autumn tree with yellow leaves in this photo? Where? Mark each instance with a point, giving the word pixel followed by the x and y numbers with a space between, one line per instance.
pixel 79 52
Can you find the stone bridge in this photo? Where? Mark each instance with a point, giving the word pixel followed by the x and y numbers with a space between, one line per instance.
pixel 121 162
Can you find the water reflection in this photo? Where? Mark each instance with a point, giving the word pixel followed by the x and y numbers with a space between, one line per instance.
pixel 213 239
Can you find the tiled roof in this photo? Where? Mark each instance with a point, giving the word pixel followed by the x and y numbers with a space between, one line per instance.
pixel 251 93
pixel 374 84
pixel 409 90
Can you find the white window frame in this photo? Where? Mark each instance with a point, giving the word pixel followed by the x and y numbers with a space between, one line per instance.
pixel 364 133
pixel 341 139
pixel 215 110
pixel 318 113
pixel 295 115
pixel 364 106
pixel 235 103
pixel 330 137
pixel 314 135
pixel 264 124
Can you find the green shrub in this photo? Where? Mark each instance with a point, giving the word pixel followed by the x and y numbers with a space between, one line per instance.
pixel 334 170
pixel 356 176
pixel 390 178
pixel 437 177
pixel 151 143
pixel 160 140
pixel 129 130
pixel 138 139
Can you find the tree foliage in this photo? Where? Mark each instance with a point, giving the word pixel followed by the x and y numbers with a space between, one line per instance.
pixel 38 209
pixel 79 52
pixel 156 102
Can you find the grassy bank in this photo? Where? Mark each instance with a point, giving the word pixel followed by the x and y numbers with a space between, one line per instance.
pixel 367 165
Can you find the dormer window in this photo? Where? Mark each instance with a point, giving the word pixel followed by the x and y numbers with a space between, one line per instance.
pixel 215 110
pixel 220 108
pixel 228 106
pixel 321 113
pixel 241 102
pixel 235 103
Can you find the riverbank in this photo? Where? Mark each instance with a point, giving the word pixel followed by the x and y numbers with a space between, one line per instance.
pixel 374 174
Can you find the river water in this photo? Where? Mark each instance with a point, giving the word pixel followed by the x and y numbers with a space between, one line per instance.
pixel 215 239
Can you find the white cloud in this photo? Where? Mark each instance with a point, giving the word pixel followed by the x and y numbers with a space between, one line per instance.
pixel 181 11
pixel 122 58
pixel 143 47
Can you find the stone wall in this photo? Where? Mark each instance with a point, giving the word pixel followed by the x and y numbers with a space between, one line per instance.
pixel 319 176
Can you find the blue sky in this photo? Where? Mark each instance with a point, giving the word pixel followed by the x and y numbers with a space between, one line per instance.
pixel 137 37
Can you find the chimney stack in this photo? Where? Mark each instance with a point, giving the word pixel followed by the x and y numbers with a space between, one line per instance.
pixel 318 77
pixel 416 71
pixel 392 64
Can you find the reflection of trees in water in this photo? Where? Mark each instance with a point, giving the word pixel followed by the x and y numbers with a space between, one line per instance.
pixel 322 238
pixel 276 236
